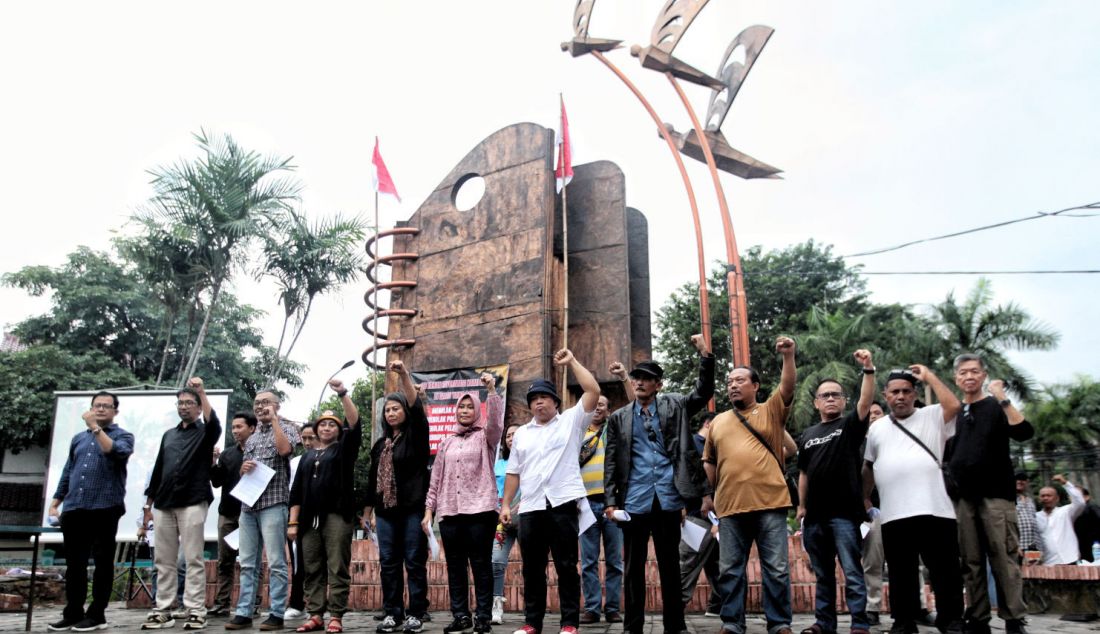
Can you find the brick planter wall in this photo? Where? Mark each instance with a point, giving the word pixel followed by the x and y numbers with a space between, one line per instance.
pixel 366 591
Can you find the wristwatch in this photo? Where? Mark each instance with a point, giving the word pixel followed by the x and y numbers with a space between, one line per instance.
pixel 1005 402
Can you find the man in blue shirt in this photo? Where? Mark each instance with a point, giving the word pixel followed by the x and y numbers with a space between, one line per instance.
pixel 89 502
pixel 652 470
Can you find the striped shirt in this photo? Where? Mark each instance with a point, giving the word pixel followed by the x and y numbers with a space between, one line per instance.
pixel 592 471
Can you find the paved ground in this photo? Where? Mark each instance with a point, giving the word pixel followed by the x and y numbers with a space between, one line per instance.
pixel 123 620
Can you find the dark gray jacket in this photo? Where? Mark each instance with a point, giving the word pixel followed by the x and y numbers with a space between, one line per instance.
pixel 675 412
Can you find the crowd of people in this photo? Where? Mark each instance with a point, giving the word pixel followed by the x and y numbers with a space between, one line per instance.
pixel 898 482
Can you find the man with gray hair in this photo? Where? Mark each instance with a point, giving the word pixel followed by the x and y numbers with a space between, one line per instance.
pixel 985 507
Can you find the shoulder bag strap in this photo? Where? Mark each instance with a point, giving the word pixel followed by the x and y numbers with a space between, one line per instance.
pixel 916 440
pixel 760 438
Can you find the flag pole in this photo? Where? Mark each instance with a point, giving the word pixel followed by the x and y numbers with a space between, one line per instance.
pixel 565 259
pixel 374 350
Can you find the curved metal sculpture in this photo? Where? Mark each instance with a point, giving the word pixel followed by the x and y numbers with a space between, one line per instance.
pixel 381 339
pixel 582 44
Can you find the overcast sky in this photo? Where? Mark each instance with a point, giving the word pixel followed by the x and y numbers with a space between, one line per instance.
pixel 891 121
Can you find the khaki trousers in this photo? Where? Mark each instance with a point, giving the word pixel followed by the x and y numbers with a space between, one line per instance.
pixel 326 555
pixel 176 528
pixel 988 528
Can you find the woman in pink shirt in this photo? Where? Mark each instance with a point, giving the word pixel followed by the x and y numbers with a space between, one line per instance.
pixel 463 494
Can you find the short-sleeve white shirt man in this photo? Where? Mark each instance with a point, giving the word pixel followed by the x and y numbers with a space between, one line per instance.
pixel 544 456
pixel 909 482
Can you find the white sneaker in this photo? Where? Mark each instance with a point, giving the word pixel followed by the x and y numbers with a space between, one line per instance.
pixel 291 613
pixel 498 611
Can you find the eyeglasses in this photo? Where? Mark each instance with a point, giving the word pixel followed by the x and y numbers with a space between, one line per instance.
pixel 264 402
pixel 186 403
pixel 903 371
pixel 825 396
pixel 103 406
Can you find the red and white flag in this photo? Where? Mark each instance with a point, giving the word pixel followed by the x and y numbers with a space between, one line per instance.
pixel 383 182
pixel 564 172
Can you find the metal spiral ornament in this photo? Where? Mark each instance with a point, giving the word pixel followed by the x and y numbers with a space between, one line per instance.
pixel 382 339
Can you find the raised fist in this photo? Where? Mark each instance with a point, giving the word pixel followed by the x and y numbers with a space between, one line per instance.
pixel 397 366
pixel 700 343
pixel 563 357
pixel 336 384
pixel 997 389
pixel 863 357
pixel 921 372
pixel 195 383
pixel 617 370
pixel 784 345
pixel 489 381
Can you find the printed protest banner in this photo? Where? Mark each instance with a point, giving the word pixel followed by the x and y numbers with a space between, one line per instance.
pixel 442 390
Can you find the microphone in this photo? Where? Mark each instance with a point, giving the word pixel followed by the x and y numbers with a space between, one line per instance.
pixel 342 368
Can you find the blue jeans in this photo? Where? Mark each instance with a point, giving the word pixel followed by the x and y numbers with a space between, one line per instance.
pixel 501 551
pixel 265 529
pixel 613 563
pixel 827 541
pixel 736 535
pixel 402 541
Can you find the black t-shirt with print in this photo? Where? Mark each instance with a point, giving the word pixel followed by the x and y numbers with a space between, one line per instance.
pixel 829 454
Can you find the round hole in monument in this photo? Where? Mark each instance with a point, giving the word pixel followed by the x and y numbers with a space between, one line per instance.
pixel 468 191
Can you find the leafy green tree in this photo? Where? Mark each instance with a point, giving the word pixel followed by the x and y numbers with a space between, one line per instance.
pixel 307 260
pixel 226 199
pixel 1066 418
pixel 31 376
pixel 976 325
pixel 781 286
pixel 103 306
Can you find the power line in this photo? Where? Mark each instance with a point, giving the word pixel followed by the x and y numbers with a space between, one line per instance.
pixel 1064 213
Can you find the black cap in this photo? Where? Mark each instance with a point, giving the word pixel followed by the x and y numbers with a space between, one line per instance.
pixel 647 369
pixel 542 386
pixel 1022 475
pixel 905 375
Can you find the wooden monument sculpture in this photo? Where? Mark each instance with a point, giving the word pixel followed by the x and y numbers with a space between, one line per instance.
pixel 485 286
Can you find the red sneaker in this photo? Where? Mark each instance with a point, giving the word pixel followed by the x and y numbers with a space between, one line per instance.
pixel 568 629
pixel 530 629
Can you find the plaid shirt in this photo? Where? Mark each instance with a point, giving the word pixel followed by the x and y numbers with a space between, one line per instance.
pixel 260 447
pixel 93 479
pixel 1030 538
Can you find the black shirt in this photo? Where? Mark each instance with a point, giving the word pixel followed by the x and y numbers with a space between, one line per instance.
pixel 325 479
pixel 181 475
pixel 829 454
pixel 411 453
pixel 226 473
pixel 979 456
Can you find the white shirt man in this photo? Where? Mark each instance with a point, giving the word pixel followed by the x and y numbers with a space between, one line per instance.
pixel 1055 523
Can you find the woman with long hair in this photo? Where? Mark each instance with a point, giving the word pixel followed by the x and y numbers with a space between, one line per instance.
pixel 322 511
pixel 463 494
pixel 395 494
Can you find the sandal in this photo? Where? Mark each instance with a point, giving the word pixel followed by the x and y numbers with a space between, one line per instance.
pixel 314 624
pixel 335 625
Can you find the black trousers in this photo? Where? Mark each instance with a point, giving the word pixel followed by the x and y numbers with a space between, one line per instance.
pixel 550 532
pixel 469 539
pixel 664 527
pixel 89 534
pixel 936 541
pixel 296 599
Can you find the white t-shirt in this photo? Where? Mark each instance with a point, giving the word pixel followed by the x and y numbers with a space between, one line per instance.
pixel 1059 538
pixel 909 482
pixel 294 468
pixel 544 456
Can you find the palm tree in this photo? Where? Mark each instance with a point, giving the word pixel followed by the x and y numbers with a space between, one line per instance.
pixel 224 199
pixel 978 326
pixel 307 261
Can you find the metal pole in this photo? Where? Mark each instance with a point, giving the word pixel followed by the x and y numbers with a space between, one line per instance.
pixel 739 334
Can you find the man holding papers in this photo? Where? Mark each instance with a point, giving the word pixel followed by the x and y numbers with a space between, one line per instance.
pixel 264 517
pixel 652 470
pixel 177 499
